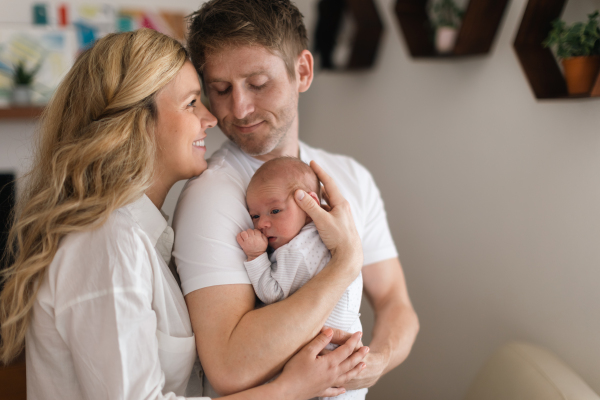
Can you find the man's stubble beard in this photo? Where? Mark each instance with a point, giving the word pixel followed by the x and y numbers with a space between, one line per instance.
pixel 255 145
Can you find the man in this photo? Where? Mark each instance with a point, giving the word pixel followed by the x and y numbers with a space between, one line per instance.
pixel 253 59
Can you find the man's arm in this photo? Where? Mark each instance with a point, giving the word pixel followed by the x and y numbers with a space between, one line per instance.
pixel 241 347
pixel 396 323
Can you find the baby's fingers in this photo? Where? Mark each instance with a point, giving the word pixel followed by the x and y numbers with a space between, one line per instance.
pixel 241 237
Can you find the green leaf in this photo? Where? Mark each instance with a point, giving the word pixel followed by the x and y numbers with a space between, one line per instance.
pixel 578 39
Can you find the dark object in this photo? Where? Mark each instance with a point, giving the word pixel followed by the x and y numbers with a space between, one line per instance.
pixel 20 112
pixel 476 34
pixel 328 28
pixel 539 64
pixel 7 203
pixel 366 37
pixel 24 76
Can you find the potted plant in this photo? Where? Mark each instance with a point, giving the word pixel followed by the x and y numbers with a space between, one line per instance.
pixel 446 18
pixel 22 81
pixel 578 46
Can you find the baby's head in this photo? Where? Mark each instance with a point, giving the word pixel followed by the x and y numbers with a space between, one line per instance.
pixel 270 198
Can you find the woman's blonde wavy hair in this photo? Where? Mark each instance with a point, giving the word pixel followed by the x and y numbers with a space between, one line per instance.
pixel 95 153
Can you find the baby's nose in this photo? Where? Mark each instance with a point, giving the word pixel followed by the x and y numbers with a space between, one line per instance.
pixel 263 223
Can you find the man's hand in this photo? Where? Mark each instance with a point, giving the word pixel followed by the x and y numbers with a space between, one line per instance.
pixel 396 323
pixel 253 242
pixel 375 368
pixel 340 337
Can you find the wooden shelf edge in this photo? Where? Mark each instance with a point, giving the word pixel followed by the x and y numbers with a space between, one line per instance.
pixel 475 38
pixel 20 113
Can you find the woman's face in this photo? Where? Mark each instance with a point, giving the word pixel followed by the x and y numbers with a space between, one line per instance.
pixel 180 129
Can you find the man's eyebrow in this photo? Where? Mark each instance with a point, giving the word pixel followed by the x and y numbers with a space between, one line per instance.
pixel 215 80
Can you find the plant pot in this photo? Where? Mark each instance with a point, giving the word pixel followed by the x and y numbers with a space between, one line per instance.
pixel 21 95
pixel 445 39
pixel 581 73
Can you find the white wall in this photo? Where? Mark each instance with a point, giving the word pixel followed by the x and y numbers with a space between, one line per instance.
pixel 493 200
pixel 492 196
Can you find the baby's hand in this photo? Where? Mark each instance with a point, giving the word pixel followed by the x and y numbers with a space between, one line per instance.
pixel 253 242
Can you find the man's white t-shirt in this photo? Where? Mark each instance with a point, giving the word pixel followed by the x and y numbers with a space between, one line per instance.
pixel 211 211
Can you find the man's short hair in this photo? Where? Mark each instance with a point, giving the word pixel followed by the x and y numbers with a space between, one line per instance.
pixel 274 24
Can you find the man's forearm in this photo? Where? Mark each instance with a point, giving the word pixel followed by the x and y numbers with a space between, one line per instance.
pixel 396 327
pixel 396 323
pixel 241 347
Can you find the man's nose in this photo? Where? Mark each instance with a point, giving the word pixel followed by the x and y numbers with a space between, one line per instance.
pixel 242 103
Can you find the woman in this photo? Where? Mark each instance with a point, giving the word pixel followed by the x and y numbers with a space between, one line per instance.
pixel 90 289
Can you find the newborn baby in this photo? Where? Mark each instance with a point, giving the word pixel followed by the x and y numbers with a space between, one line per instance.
pixel 297 252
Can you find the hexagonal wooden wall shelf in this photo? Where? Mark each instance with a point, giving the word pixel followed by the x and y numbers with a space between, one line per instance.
pixel 539 64
pixel 367 29
pixel 476 35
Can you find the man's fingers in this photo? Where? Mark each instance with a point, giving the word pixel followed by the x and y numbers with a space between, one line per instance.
pixel 353 373
pixel 325 351
pixel 343 352
pixel 310 207
pixel 332 392
pixel 339 336
pixel 352 361
pixel 317 345
pixel 331 190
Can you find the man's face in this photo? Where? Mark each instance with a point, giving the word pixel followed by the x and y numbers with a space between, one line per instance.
pixel 253 98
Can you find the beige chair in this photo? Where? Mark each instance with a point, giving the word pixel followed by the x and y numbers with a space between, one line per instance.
pixel 522 371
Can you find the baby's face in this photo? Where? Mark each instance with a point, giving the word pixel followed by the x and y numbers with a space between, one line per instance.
pixel 275 213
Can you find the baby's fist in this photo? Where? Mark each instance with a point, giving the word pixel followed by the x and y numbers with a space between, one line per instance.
pixel 253 242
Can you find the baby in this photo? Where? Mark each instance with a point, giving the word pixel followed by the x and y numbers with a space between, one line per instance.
pixel 298 253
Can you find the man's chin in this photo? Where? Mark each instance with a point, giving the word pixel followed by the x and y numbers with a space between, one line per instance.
pixel 252 148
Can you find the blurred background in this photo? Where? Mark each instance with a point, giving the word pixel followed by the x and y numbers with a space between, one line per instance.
pixel 493 196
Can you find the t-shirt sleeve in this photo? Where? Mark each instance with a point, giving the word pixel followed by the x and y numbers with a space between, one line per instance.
pixel 211 211
pixel 377 241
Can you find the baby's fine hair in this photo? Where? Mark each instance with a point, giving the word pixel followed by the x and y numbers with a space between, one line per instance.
pixel 292 170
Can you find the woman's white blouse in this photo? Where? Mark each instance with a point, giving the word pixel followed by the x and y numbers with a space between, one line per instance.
pixel 109 320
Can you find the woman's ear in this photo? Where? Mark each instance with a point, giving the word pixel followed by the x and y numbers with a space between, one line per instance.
pixel 304 71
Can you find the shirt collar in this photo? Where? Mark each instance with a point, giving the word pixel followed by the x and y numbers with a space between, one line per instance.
pixel 303 149
pixel 148 217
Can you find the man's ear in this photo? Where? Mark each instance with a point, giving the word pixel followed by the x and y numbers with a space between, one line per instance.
pixel 304 70
pixel 316 198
